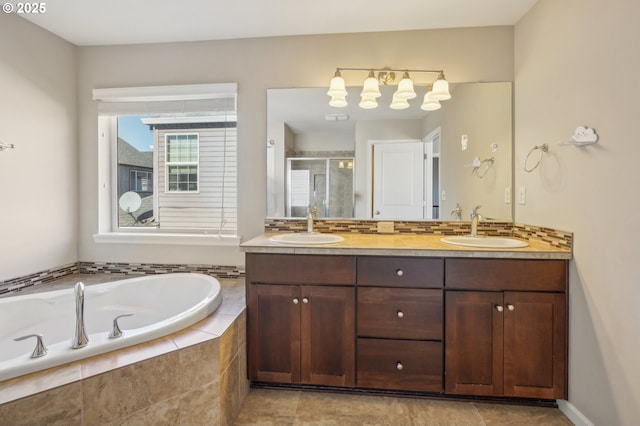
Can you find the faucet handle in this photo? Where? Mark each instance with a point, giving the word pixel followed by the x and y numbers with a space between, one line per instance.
pixel 115 331
pixel 40 349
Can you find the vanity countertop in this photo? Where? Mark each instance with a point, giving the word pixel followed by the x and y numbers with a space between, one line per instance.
pixel 423 245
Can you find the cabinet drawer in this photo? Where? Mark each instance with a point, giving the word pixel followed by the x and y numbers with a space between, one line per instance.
pixel 506 274
pixel 400 272
pixel 400 313
pixel 300 269
pixel 400 364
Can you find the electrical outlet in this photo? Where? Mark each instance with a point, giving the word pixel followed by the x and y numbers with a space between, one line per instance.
pixel 507 195
pixel 385 227
pixel 444 195
pixel 522 195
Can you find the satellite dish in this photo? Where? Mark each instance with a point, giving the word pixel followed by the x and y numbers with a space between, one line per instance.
pixel 130 201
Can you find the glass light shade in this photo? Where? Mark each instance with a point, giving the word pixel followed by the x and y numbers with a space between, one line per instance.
pixel 430 104
pixel 370 88
pixel 440 89
pixel 405 88
pixel 338 101
pixel 368 103
pixel 337 87
pixel 399 103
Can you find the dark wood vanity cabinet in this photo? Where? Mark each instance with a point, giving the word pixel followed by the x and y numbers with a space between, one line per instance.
pixel 458 326
pixel 301 319
pixel 502 339
pixel 400 323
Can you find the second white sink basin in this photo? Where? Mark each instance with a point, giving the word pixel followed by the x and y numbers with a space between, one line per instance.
pixel 484 242
pixel 305 238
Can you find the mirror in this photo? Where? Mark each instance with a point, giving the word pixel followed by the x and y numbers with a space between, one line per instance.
pixel 405 164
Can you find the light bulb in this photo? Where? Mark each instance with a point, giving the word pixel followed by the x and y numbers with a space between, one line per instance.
pixel 405 88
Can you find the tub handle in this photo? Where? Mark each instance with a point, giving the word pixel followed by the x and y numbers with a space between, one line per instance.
pixel 115 330
pixel 40 349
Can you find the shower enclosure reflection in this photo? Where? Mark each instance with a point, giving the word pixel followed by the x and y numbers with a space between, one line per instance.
pixel 324 183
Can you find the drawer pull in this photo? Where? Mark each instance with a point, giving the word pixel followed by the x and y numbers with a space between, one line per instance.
pixel 499 308
pixel 305 300
pixel 399 365
pixel 400 314
pixel 399 272
pixel 511 307
pixel 296 301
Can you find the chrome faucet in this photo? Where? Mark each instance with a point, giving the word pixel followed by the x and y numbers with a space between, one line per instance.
pixel 475 218
pixel 313 211
pixel 80 338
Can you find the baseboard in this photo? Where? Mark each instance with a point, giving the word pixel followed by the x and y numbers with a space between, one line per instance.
pixel 573 414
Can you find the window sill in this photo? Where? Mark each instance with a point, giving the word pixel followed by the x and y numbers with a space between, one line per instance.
pixel 166 239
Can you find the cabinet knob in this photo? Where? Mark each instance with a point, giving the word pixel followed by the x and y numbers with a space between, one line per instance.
pixel 511 307
pixel 399 365
pixel 305 300
pixel 399 272
pixel 400 314
pixel 295 301
pixel 499 308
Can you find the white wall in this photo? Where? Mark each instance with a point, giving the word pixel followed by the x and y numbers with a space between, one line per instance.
pixel 38 179
pixel 471 54
pixel 576 63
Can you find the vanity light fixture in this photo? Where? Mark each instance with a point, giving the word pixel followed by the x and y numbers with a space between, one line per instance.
pixel 439 91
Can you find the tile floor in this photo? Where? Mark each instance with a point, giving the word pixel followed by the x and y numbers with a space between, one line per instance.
pixel 292 407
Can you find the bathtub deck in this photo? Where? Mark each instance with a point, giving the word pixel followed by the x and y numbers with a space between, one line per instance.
pixel 230 314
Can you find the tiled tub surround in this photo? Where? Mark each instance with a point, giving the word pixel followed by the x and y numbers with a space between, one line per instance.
pixel 555 238
pixel 195 376
pixel 50 275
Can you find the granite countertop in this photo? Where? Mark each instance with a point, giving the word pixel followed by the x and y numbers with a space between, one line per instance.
pixel 424 245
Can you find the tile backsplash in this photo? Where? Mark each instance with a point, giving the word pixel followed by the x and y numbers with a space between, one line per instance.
pixel 555 238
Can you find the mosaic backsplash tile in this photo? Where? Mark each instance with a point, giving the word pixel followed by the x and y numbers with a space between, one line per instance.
pixel 43 277
pixel 559 239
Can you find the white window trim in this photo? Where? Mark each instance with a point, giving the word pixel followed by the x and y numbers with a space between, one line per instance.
pixel 105 234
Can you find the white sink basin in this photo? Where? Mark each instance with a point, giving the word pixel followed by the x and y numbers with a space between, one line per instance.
pixel 305 238
pixel 486 242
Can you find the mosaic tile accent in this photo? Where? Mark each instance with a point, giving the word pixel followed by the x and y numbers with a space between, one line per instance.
pixel 158 268
pixel 38 278
pixel 48 275
pixel 555 238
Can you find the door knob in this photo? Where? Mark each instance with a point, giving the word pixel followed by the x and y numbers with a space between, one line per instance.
pixel 305 300
pixel 499 308
pixel 400 314
pixel 377 212
pixel 511 307
pixel 399 272
pixel 296 301
pixel 399 365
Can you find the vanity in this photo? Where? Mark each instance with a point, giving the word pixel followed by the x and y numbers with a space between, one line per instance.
pixel 409 313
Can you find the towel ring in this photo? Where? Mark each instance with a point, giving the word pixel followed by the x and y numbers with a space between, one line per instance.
pixel 543 148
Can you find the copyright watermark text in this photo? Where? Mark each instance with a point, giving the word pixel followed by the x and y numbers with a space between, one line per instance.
pixel 24 8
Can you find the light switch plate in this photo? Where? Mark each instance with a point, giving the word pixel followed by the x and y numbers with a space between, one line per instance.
pixel 522 195
pixel 385 227
pixel 507 195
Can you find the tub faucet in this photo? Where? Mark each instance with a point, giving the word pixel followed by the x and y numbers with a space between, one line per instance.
pixel 313 211
pixel 475 218
pixel 80 338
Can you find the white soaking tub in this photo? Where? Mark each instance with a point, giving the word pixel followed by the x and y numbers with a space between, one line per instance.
pixel 160 304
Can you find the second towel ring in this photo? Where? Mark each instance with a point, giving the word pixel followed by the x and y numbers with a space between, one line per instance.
pixel 543 148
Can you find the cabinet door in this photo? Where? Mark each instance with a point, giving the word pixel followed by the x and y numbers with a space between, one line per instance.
pixel 473 343
pixel 274 333
pixel 328 335
pixel 535 345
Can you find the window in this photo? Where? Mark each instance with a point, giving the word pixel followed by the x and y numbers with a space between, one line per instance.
pixel 169 155
pixel 182 162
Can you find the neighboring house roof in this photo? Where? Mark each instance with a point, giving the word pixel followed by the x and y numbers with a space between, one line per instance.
pixel 130 156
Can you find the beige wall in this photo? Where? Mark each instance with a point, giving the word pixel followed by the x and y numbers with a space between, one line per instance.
pixel 472 54
pixel 576 63
pixel 38 189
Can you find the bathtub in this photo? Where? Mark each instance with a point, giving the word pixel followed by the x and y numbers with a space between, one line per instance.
pixel 160 304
